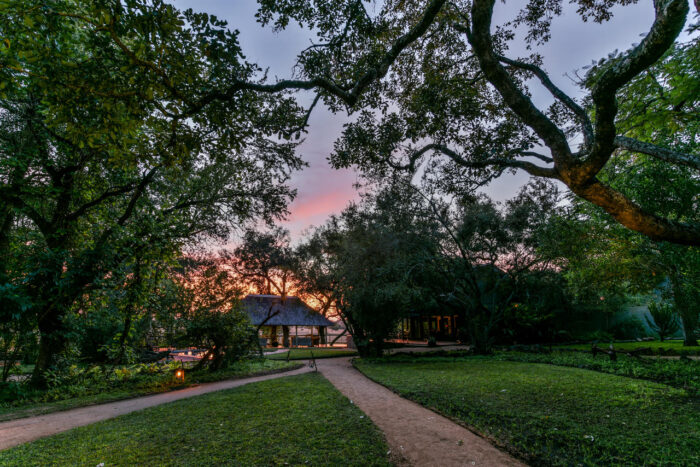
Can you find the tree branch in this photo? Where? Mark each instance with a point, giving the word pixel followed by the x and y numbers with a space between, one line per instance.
pixel 631 215
pixel 664 154
pixel 580 113
pixel 669 21
pixel 481 41
pixel 104 196
pixel 348 94
pixel 529 167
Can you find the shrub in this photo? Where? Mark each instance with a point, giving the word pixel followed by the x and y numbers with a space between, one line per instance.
pixel 630 328
pixel 664 320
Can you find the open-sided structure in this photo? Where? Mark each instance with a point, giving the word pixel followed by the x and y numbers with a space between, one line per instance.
pixel 273 313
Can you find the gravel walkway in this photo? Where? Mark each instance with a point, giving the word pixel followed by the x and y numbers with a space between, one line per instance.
pixel 416 435
pixel 23 430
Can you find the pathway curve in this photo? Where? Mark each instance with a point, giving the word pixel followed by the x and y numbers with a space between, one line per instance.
pixel 421 437
pixel 23 430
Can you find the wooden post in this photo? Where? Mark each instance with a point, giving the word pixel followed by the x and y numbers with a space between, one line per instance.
pixel 285 336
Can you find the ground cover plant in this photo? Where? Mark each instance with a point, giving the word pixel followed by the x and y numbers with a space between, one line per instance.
pixel 305 354
pixel 552 415
pixel 297 420
pixel 83 386
pixel 667 347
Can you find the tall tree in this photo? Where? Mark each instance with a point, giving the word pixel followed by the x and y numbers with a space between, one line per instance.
pixel 103 156
pixel 265 261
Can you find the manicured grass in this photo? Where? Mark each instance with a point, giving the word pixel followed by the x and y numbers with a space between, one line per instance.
pixel 299 420
pixel 305 354
pixel 657 347
pixel 79 396
pixel 682 374
pixel 553 415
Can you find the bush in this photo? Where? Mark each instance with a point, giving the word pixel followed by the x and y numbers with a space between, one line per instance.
pixel 630 328
pixel 664 320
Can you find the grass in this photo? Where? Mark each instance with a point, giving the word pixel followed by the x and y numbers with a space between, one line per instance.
pixel 305 354
pixel 657 347
pixel 677 373
pixel 85 394
pixel 553 415
pixel 682 374
pixel 299 420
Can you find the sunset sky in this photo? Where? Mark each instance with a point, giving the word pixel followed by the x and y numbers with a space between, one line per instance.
pixel 322 190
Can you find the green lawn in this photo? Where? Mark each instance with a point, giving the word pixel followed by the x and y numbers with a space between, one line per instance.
pixel 57 399
pixel 299 420
pixel 674 346
pixel 554 415
pixel 305 354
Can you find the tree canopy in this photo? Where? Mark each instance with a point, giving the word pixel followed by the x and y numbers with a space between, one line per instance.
pixel 453 102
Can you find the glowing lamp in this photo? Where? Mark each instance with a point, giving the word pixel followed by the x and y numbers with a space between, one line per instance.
pixel 180 375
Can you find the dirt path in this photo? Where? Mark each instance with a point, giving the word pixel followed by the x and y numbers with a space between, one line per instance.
pixel 23 430
pixel 421 437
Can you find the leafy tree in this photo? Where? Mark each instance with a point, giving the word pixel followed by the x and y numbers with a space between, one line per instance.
pixel 495 256
pixel 451 101
pixel 265 261
pixel 211 316
pixel 376 263
pixel 106 158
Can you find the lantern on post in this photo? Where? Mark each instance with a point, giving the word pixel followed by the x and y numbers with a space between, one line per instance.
pixel 180 374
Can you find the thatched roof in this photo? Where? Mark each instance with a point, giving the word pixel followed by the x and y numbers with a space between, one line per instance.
pixel 293 312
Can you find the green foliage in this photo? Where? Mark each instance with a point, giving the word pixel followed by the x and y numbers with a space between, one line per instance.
pixel 264 261
pixel 313 424
pixel 628 328
pixel 664 320
pixel 210 314
pixel 111 162
pixel 377 263
pixel 497 273
pixel 553 415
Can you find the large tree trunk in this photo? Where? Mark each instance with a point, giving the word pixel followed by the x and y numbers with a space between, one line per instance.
pixel 52 342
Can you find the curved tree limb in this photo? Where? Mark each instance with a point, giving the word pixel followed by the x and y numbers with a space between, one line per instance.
pixel 482 42
pixel 580 175
pixel 661 153
pixel 504 162
pixel 629 214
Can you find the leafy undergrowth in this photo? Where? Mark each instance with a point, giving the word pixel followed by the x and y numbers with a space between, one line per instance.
pixel 668 347
pixel 299 420
pixel 305 354
pixel 553 415
pixel 78 387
